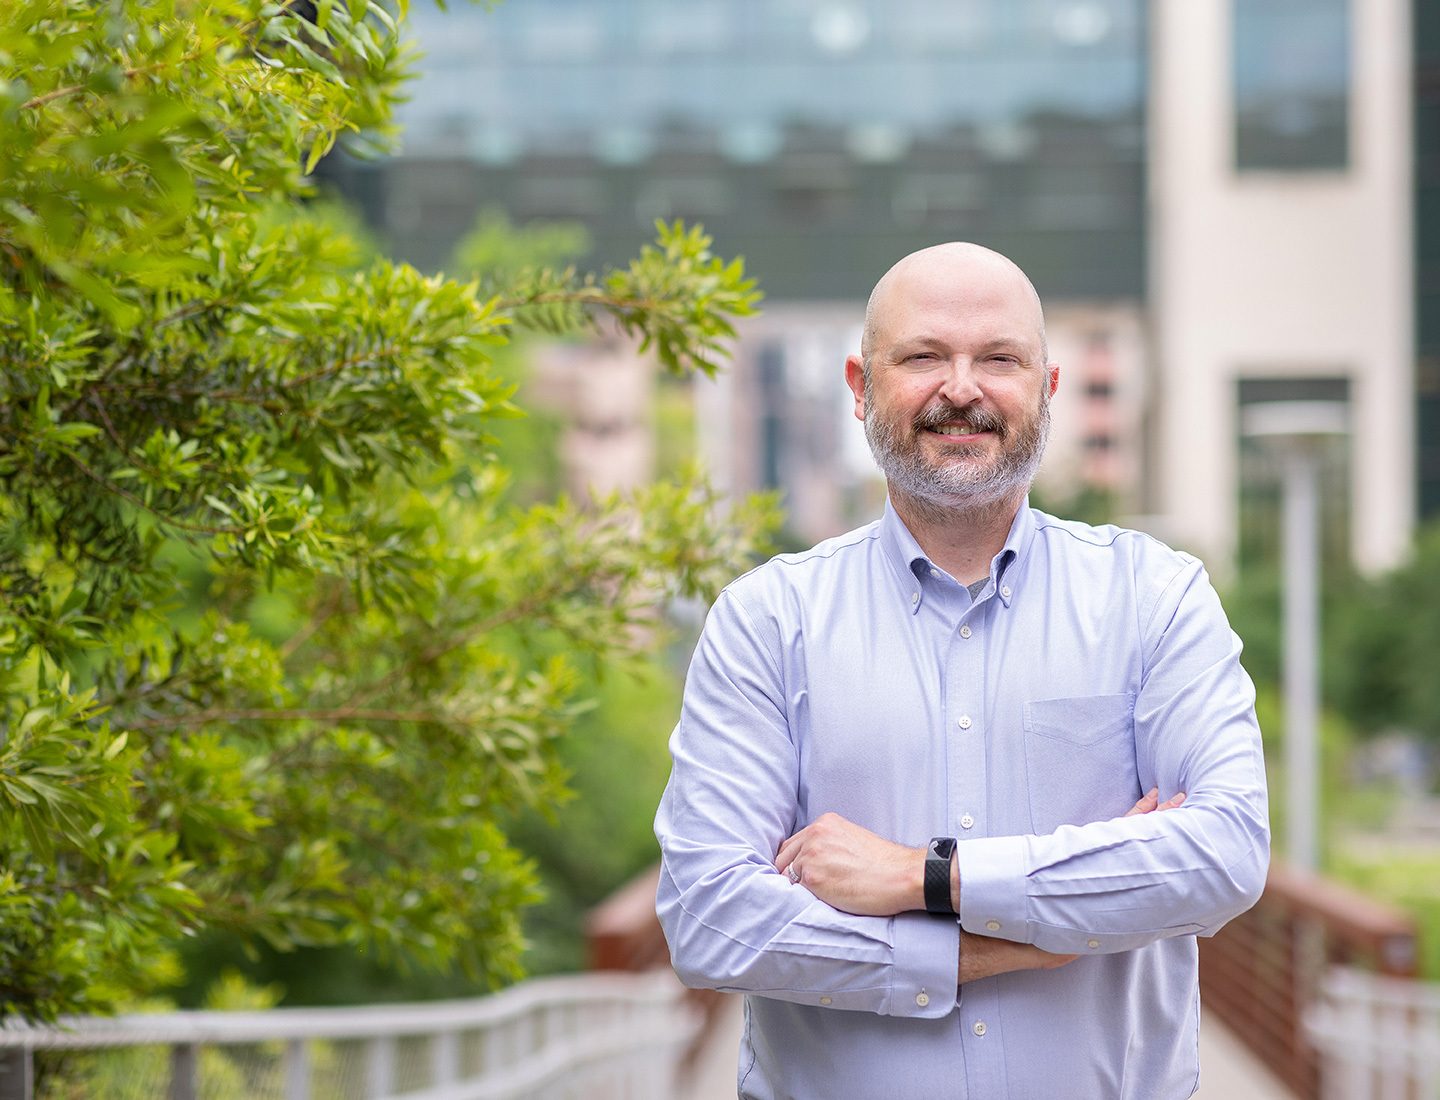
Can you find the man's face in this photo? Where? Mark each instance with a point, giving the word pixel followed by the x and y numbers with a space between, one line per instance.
pixel 956 401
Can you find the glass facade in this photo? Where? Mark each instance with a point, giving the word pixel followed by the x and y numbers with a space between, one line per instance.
pixel 821 139
pixel 1292 84
pixel 608 76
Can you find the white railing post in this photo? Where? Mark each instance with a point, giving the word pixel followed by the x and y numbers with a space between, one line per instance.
pixel 297 1070
pixel 445 1058
pixel 380 1068
pixel 1378 1036
pixel 1427 1025
pixel 184 1067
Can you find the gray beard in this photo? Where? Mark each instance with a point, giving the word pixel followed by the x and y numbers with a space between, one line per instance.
pixel 897 451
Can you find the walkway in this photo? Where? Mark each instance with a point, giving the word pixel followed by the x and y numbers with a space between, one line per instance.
pixel 1228 1071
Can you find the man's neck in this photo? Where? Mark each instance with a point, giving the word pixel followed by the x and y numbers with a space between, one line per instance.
pixel 960 540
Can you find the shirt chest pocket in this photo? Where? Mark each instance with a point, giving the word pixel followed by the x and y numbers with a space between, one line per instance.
pixel 1080 759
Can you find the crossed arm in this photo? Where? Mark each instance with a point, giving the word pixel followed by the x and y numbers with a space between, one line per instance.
pixel 856 934
pixel 854 870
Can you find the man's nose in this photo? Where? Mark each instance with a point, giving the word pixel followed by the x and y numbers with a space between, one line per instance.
pixel 960 385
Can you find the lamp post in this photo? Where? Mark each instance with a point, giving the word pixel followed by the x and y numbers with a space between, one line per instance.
pixel 1299 429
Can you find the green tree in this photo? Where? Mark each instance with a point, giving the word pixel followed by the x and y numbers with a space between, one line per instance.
pixel 196 387
pixel 1384 649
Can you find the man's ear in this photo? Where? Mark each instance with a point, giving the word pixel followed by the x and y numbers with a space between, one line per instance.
pixel 855 379
pixel 1053 381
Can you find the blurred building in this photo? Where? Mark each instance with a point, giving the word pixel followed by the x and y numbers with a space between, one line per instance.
pixel 1280 256
pixel 603 392
pixel 1215 198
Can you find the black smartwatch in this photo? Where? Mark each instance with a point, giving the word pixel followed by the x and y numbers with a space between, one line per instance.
pixel 937 875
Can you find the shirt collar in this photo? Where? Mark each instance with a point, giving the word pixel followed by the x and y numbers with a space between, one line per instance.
pixel 904 553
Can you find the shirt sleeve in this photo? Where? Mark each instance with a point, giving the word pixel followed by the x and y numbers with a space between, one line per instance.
pixel 1121 884
pixel 733 922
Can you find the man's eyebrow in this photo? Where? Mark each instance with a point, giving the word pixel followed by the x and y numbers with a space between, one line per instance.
pixel 1017 344
pixel 915 343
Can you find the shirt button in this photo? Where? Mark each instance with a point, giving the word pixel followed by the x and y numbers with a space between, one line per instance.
pixel 979 1027
pixel 993 925
pixel 966 821
pixel 922 999
pixel 1005 591
pixel 1093 943
pixel 964 632
pixel 824 1000
pixel 934 572
pixel 915 597
pixel 964 721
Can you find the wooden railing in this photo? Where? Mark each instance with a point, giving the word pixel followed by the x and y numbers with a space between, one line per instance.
pixel 1262 971
pixel 623 932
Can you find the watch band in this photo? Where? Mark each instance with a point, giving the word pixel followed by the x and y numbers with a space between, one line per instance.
pixel 937 875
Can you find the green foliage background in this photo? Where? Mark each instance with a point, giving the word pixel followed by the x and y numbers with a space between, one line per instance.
pixel 1381 653
pixel 280 656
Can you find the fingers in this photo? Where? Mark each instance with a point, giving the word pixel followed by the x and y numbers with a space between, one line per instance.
pixel 984 957
pixel 1151 802
pixel 1146 804
pixel 786 855
pixel 853 869
pixel 1056 961
pixel 826 825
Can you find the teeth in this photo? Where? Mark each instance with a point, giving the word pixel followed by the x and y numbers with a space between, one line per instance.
pixel 955 429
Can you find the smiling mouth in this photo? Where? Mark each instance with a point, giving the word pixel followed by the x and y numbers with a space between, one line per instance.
pixel 954 422
pixel 955 429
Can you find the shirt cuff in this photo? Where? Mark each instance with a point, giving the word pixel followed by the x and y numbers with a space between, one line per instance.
pixel 927 966
pixel 993 900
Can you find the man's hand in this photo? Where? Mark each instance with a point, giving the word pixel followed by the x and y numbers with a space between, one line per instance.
pixel 986 956
pixel 853 870
pixel 850 868
pixel 1152 801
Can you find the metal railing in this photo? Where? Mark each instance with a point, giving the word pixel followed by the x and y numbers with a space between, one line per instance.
pixel 1262 971
pixel 607 1036
pixel 1378 1037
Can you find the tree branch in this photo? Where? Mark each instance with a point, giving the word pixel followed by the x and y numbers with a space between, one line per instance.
pixel 140 70
pixel 169 521
pixel 289 714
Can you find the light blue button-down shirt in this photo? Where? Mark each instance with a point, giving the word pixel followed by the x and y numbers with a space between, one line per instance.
pixel 860 679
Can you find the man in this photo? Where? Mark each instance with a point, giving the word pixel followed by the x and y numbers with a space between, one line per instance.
pixel 966 668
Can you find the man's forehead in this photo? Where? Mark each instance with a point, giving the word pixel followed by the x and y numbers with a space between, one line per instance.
pixel 964 281
pixel 930 312
pixel 956 283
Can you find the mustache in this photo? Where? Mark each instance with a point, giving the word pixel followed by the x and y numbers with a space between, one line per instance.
pixel 977 419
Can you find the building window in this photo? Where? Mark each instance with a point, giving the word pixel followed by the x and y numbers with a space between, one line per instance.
pixel 1292 84
pixel 771 365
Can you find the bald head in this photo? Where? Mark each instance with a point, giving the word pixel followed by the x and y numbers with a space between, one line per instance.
pixel 959 271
